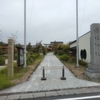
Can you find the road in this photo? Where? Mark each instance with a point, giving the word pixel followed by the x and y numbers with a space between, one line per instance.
pixel 90 96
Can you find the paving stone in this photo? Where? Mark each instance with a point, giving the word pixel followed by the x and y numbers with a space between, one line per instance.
pixel 98 89
pixel 28 95
pixel 73 91
pixel 63 92
pixel 84 90
pixel 41 94
pixel 3 97
pixel 52 93
pixel 94 89
pixel 13 97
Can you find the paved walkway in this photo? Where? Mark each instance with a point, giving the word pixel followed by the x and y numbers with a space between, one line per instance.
pixel 53 70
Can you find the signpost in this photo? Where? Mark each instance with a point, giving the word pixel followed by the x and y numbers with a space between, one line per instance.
pixel 20 60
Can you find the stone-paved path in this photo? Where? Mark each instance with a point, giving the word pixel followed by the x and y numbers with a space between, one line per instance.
pixel 53 70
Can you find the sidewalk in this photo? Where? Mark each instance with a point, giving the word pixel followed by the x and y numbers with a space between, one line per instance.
pixel 53 70
pixel 28 95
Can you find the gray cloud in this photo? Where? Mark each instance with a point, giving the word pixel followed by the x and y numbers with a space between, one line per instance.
pixel 47 20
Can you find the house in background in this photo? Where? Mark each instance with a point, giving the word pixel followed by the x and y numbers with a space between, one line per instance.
pixel 50 47
pixel 56 43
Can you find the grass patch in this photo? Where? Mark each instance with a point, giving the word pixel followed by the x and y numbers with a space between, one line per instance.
pixel 21 74
pixel 4 80
pixel 2 60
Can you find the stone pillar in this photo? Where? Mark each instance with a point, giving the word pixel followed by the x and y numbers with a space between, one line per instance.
pixel 93 70
pixel 10 57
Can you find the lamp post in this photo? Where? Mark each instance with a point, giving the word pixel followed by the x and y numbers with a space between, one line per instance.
pixel 24 33
pixel 77 50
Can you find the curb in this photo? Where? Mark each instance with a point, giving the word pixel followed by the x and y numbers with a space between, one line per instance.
pixel 51 93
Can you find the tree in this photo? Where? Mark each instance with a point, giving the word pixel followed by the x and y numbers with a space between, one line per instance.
pixel 65 48
pixel 61 49
pixel 29 47
pixel 38 46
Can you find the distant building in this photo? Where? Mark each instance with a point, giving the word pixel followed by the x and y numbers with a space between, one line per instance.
pixel 56 42
pixel 49 47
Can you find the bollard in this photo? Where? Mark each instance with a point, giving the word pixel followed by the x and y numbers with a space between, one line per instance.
pixel 63 76
pixel 43 78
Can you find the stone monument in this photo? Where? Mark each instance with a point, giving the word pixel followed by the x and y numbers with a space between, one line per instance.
pixel 93 70
pixel 10 57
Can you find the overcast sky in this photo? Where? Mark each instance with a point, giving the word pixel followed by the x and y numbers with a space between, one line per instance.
pixel 47 20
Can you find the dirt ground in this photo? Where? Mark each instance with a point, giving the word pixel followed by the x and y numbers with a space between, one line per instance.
pixel 28 74
pixel 77 71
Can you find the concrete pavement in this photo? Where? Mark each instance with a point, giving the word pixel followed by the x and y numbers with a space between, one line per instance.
pixel 63 92
pixel 53 72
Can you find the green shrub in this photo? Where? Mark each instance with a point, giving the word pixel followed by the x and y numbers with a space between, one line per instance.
pixel 2 60
pixel 44 51
pixel 61 52
pixel 73 59
pixel 55 52
pixel 83 63
pixel 36 55
pixel 2 52
pixel 28 58
pixel 15 56
pixel 64 57
pixel 3 71
pixel 15 67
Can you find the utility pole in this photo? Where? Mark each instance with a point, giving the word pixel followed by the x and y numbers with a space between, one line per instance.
pixel 24 33
pixel 77 49
pixel 0 35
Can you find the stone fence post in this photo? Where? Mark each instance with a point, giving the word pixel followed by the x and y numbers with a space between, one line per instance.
pixel 10 57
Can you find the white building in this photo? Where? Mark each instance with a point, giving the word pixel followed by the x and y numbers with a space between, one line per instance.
pixel 84 47
pixel 89 50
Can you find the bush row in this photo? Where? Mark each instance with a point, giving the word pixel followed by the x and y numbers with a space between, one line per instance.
pixel 65 57
pixel 2 60
pixel 83 63
pixel 34 56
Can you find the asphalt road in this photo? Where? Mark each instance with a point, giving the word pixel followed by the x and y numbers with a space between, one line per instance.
pixel 90 96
